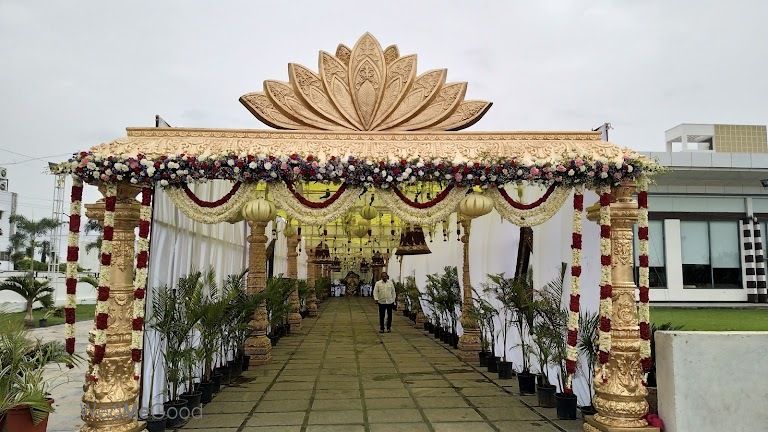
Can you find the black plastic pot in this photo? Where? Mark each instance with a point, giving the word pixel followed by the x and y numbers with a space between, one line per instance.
pixel 482 356
pixel 455 342
pixel 176 413
pixel 504 369
pixel 42 322
pixel 206 392
pixel 246 362
pixel 566 406
pixel 546 394
pixel 587 410
pixel 273 340
pixel 526 382
pixel 236 367
pixel 493 364
pixel 216 381
pixel 193 399
pixel 155 423
pixel 226 375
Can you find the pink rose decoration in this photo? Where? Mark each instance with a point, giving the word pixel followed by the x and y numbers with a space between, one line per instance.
pixel 560 168
pixel 579 162
pixel 458 177
pixel 284 166
pixel 535 171
pixel 296 170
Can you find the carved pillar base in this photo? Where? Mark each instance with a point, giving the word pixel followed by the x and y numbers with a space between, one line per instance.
pixel 312 303
pixel 294 318
pixel 260 350
pixel 111 403
pixel 469 345
pixel 592 425
pixel 420 320
pixel 258 346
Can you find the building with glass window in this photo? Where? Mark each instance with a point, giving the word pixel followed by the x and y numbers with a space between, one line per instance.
pixel 708 215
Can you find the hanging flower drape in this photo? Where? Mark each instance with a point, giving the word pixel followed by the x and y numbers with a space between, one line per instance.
pixel 606 287
pixel 140 281
pixel 572 354
pixel 429 213
pixel 527 215
pixel 105 279
pixel 222 210
pixel 73 252
pixel 644 316
pixel 310 212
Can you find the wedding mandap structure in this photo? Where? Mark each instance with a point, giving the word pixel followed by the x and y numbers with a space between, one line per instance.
pixel 382 141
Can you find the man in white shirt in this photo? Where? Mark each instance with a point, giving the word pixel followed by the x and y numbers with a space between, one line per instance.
pixel 384 294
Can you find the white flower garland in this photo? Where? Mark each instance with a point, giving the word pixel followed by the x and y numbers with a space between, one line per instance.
pixel 140 281
pixel 606 289
pixel 531 217
pixel 427 216
pixel 572 355
pixel 230 210
pixel 105 276
pixel 283 198
pixel 73 251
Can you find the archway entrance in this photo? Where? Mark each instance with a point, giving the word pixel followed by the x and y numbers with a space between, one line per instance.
pixel 378 140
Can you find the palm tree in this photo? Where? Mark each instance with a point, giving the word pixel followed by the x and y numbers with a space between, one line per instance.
pixel 29 231
pixel 32 290
pixel 94 226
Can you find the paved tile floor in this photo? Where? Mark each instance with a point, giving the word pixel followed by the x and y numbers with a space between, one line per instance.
pixel 341 375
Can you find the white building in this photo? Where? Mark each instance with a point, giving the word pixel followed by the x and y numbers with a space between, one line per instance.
pixel 708 215
pixel 8 201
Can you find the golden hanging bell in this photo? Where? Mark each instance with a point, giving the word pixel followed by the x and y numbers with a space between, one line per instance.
pixel 412 242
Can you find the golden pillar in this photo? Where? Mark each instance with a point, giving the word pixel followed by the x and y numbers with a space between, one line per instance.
pixel 111 403
pixel 619 392
pixel 311 279
pixel 469 342
pixel 258 346
pixel 294 318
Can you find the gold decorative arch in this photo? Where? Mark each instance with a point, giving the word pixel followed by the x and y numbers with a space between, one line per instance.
pixel 365 88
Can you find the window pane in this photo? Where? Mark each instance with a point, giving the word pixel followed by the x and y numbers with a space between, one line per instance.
pixel 694 237
pixel 657 272
pixel 726 257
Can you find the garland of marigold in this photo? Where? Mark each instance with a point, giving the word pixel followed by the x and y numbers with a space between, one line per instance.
pixel 572 353
pixel 73 252
pixel 606 289
pixel 643 309
pixel 105 276
pixel 140 281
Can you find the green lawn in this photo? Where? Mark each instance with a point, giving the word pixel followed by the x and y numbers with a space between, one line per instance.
pixel 83 312
pixel 712 319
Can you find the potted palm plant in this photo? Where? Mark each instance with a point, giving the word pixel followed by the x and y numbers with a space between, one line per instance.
pixel 544 347
pixel 432 297
pixel 486 319
pixel 155 422
pixel 32 290
pixel 588 347
pixel 503 291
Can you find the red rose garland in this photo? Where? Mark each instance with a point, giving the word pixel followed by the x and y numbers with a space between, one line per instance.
pixel 643 309
pixel 606 289
pixel 73 252
pixel 140 281
pixel 521 206
pixel 105 273
pixel 572 354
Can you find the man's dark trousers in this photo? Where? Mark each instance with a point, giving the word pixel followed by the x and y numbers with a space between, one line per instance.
pixel 388 309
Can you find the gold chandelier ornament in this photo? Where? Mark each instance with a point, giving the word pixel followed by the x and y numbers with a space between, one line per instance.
pixel 412 242
pixel 369 212
pixel 365 88
pixel 475 205
pixel 259 210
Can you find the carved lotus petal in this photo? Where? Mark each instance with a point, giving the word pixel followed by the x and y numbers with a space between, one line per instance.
pixel 365 88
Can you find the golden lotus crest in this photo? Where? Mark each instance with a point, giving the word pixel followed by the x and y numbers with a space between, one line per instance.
pixel 366 89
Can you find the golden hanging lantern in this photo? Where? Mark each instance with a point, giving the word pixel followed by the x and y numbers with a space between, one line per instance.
pixel 259 210
pixel 369 212
pixel 475 205
pixel 412 242
pixel 360 229
pixel 289 231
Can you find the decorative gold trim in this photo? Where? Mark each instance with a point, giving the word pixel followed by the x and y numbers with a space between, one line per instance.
pixel 364 88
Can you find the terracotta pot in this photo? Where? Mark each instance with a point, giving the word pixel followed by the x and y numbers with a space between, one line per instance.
pixel 20 419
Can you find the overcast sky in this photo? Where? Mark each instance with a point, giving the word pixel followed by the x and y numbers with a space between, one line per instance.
pixel 76 73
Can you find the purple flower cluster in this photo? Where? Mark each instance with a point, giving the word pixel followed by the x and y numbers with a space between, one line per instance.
pixel 174 170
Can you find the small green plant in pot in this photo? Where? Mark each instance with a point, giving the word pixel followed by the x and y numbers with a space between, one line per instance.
pixel 588 347
pixel 544 349
pixel 485 315
pixel 511 295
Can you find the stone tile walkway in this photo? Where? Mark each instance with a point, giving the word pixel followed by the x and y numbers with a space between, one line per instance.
pixel 341 375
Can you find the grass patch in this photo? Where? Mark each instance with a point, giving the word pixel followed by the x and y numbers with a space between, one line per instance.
pixel 84 312
pixel 712 319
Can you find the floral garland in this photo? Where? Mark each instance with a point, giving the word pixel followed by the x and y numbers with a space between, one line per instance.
pixel 105 277
pixel 140 281
pixel 426 204
pixel 73 252
pixel 317 204
pixel 284 198
pixel 606 289
pixel 427 216
pixel 521 206
pixel 175 169
pixel 572 354
pixel 229 210
pixel 211 204
pixel 528 218
pixel 643 309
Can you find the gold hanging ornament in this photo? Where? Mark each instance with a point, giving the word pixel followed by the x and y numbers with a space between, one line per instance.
pixel 475 205
pixel 412 242
pixel 259 210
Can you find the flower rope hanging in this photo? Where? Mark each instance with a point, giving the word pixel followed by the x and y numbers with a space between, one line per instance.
pixel 433 211
pixel 572 354
pixel 73 252
pixel 320 213
pixel 224 209
pixel 140 281
pixel 527 215
pixel 644 316
pixel 105 273
pixel 606 289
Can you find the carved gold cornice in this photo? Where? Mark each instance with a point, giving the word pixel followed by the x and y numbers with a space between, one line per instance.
pixel 364 88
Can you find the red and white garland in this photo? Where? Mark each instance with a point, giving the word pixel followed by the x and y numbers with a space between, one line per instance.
pixel 73 252
pixel 140 281
pixel 572 354
pixel 606 288
pixel 105 276
pixel 643 309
